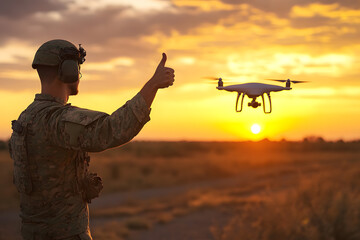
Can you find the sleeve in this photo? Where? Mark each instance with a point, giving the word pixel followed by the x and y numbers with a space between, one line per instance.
pixel 94 131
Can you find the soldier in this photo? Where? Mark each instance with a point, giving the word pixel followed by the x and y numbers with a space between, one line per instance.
pixel 50 141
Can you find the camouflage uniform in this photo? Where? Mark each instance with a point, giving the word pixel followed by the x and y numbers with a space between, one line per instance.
pixel 49 147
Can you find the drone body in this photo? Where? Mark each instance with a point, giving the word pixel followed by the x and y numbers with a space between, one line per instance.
pixel 254 90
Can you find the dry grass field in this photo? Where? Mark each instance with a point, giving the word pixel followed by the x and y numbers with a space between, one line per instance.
pixel 219 190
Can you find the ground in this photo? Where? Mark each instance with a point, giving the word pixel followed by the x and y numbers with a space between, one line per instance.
pixel 204 199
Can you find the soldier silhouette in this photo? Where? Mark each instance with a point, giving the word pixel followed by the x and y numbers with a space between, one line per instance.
pixel 51 139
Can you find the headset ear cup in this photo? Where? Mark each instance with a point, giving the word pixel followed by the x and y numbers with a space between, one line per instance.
pixel 69 72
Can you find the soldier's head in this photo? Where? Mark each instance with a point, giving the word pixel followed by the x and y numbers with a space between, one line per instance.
pixel 59 60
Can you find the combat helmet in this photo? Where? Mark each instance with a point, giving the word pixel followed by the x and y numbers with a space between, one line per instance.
pixel 63 54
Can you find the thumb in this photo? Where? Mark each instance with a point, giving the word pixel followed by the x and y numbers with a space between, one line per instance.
pixel 163 60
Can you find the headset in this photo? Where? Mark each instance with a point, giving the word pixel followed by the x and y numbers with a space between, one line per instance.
pixel 70 60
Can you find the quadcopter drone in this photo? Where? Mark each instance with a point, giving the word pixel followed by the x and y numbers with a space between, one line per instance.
pixel 254 90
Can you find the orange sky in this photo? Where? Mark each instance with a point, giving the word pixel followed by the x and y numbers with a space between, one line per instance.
pixel 241 40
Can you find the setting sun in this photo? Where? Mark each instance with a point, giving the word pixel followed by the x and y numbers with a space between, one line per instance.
pixel 255 128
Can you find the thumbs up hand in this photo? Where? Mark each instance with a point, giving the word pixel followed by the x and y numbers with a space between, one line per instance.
pixel 163 76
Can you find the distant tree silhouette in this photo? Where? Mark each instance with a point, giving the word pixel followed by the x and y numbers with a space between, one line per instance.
pixel 314 139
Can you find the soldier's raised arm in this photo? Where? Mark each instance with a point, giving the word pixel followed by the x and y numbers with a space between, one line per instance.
pixel 96 131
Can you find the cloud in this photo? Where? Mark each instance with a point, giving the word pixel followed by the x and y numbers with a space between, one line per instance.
pixel 332 12
pixel 15 9
pixel 122 40
pixel 103 26
pixel 106 32
pixel 283 8
pixel 101 23
pixel 210 5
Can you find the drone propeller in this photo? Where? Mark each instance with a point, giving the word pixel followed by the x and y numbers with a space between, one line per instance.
pixel 277 80
pixel 293 81
pixel 227 80
pixel 288 80
pixel 213 78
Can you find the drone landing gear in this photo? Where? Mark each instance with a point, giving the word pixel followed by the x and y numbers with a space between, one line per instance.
pixel 237 101
pixel 262 96
pixel 253 103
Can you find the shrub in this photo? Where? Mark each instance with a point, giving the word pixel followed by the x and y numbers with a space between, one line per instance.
pixel 325 209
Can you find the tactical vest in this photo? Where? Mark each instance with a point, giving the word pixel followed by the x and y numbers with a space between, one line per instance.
pixel 19 153
pixel 47 186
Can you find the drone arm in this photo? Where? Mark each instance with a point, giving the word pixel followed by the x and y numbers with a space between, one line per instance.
pixel 262 96
pixel 237 101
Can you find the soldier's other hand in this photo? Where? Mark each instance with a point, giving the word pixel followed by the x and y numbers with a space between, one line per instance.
pixel 163 76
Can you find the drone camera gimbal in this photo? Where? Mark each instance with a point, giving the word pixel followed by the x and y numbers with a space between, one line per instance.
pixel 254 103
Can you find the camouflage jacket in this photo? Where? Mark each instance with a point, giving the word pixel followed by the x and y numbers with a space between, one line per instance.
pixel 55 138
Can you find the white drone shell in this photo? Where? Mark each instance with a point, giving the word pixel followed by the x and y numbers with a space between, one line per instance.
pixel 253 89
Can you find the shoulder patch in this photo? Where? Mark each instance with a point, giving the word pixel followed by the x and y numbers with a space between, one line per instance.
pixel 82 116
